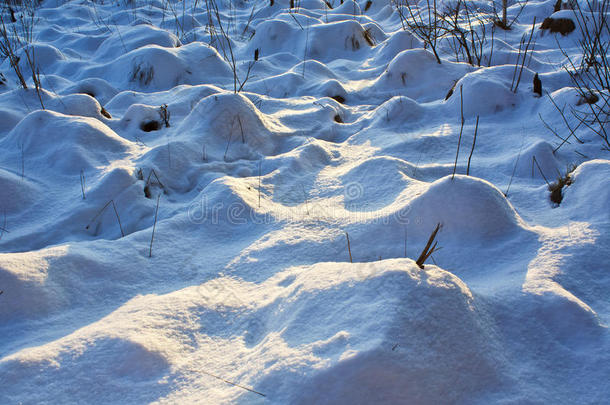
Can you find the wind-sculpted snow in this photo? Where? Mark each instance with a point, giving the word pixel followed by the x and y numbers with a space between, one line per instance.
pixel 192 217
pixel 257 322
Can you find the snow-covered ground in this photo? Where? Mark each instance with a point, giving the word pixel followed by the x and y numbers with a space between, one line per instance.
pixel 291 212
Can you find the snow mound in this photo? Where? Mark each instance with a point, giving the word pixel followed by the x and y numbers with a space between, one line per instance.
pixel 8 120
pixel 397 42
pixel 471 211
pixel 346 329
pixel 69 104
pixel 235 203
pixel 398 109
pixel 139 36
pixel 375 183
pixel 410 70
pixel 397 328
pixel 17 193
pixel 180 100
pixel 487 91
pixel 334 89
pixel 129 199
pixel 99 89
pixel 65 144
pixel 155 68
pixel 341 39
pixel 141 117
pixel 284 85
pixel 323 42
pixel 115 366
pixel 82 105
pixel 24 280
pixel 542 152
pixel 588 197
pixel 347 7
pixel 568 319
pixel 271 37
pixel 467 208
pixel 91 218
pixel 233 128
pixel 41 54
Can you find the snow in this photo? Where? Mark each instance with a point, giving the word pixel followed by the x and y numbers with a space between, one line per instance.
pixel 291 213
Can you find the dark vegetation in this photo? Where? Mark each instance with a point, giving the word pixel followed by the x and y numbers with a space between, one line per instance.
pixel 556 188
pixel 561 25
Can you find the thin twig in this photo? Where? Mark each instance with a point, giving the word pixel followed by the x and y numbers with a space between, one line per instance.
pixel 305 52
pixel 152 171
pixel 474 141
pixel 241 128
pixel 297 21
pixel 98 214
pixel 152 237
pixel 118 218
pixel 232 383
pixel 565 121
pixel 82 183
pixel 457 153
pixel 228 143
pixel 534 161
pixel 3 227
pixel 564 140
pixel 349 249
pixel 514 170
pixel 525 55
pixel 584 156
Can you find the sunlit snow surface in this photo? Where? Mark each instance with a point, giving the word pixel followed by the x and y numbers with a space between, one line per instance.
pixel 250 296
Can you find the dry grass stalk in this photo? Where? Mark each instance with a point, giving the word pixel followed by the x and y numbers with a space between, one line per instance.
pixel 474 141
pixel 154 227
pixel 429 248
pixel 457 153
pixel 349 249
pixel 82 183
